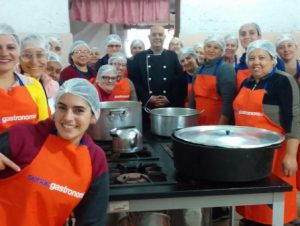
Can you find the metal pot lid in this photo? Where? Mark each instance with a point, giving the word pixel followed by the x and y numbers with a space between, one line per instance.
pixel 229 136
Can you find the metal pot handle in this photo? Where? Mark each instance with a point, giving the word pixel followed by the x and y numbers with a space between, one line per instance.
pixel 121 112
pixel 146 109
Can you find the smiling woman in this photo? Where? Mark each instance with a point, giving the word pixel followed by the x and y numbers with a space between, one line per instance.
pixel 23 94
pixel 79 56
pixel 54 146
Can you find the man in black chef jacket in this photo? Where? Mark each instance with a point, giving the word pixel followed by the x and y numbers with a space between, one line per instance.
pixel 157 75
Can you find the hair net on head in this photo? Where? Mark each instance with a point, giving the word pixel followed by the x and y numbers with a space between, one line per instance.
pixel 117 57
pixel 53 57
pixel 231 37
pixel 186 52
pixel 78 44
pixel 265 45
pixel 198 45
pixel 105 69
pixel 214 38
pixel 82 88
pixel 286 37
pixel 34 41
pixel 137 42
pixel 55 39
pixel 176 40
pixel 113 39
pixel 255 25
pixel 6 29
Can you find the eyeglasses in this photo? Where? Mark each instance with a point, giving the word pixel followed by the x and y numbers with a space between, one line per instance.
pixel 78 52
pixel 112 46
pixel 26 57
pixel 107 78
pixel 119 64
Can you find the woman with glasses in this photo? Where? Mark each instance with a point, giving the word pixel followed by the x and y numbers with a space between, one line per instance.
pixel 106 81
pixel 124 89
pixel 33 62
pixel 79 56
pixel 22 98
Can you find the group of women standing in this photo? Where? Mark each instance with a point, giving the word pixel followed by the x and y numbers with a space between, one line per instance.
pixel 255 93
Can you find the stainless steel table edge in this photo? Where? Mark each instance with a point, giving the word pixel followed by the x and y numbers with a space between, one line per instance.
pixel 274 198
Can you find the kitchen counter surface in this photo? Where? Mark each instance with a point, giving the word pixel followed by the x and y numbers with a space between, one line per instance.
pixel 174 195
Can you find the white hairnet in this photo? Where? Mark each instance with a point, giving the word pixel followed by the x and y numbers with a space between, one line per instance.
pixel 176 40
pixel 265 45
pixel 286 37
pixel 82 88
pixel 6 29
pixel 55 39
pixel 214 38
pixel 113 39
pixel 34 41
pixel 53 57
pixel 231 37
pixel 137 42
pixel 198 45
pixel 105 69
pixel 186 52
pixel 117 57
pixel 78 44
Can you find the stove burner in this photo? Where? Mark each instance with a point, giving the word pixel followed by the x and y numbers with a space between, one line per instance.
pixel 133 178
pixel 130 171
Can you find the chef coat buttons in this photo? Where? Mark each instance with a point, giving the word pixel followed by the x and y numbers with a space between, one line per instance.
pixel 150 92
pixel 149 79
pixel 164 78
pixel 164 91
pixel 164 67
pixel 149 66
pixel 148 56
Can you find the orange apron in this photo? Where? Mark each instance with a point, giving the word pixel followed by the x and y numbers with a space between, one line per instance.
pixel 46 191
pixel 121 91
pixel 241 76
pixel 207 97
pixel 189 88
pixel 17 106
pixel 248 111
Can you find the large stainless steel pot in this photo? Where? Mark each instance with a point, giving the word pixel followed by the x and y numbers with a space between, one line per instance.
pixel 165 120
pixel 116 114
pixel 224 153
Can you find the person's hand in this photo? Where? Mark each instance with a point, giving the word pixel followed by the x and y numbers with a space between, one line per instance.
pixel 162 101
pixel 6 162
pixel 289 165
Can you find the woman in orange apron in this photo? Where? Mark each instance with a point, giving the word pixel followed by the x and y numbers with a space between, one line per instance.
pixel 214 86
pixel 60 169
pixel 22 98
pixel 188 60
pixel 124 89
pixel 269 99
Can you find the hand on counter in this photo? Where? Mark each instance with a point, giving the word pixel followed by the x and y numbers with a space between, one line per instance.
pixel 6 162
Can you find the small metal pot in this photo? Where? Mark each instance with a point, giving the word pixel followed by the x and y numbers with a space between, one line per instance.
pixel 126 139
pixel 165 120
pixel 145 219
pixel 224 153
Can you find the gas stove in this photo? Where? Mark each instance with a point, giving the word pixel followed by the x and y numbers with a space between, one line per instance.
pixel 148 167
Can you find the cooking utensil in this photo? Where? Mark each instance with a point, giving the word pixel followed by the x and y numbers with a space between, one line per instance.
pixel 165 120
pixel 126 139
pixel 224 153
pixel 116 114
